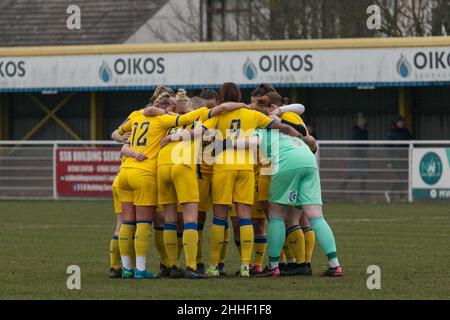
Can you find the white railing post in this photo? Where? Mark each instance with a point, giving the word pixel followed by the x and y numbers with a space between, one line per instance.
pixel 410 154
pixel 55 191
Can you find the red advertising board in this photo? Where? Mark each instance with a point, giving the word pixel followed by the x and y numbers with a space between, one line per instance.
pixel 86 172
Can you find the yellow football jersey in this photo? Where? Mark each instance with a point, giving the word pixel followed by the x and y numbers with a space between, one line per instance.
pixel 132 115
pixel 293 118
pixel 121 132
pixel 183 152
pixel 147 133
pixel 237 124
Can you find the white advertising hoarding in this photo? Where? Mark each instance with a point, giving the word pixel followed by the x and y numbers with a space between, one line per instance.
pixel 430 173
pixel 328 67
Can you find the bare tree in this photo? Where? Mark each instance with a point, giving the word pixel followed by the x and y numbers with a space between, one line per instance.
pixel 406 17
pixel 302 19
pixel 441 18
pixel 306 19
pixel 184 26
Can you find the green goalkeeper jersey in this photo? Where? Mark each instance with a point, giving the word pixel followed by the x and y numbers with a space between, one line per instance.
pixel 285 152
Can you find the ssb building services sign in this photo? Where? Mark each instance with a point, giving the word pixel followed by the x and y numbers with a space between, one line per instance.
pixel 431 174
pixel 86 172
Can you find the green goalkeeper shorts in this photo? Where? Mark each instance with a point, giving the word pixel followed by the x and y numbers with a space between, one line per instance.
pixel 296 187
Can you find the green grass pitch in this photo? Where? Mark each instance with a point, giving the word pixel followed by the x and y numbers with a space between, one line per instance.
pixel 409 242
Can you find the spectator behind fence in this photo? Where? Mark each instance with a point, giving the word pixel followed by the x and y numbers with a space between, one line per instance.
pixel 359 130
pixel 397 131
pixel 356 166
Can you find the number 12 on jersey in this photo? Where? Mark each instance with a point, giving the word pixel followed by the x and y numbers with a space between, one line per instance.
pixel 143 129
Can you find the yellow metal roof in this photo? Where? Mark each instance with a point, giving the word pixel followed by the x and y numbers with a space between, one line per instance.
pixel 227 46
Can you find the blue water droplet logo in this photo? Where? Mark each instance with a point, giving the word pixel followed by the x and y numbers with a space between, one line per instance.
pixel 105 72
pixel 249 69
pixel 403 67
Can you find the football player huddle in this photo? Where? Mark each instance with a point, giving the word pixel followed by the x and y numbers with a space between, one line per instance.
pixel 212 157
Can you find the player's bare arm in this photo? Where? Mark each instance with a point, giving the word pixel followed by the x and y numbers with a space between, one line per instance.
pixel 116 136
pixel 286 129
pixel 126 151
pixel 227 106
pixel 310 142
pixel 299 127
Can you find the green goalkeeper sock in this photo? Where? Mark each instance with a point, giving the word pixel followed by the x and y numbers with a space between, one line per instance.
pixel 326 239
pixel 275 239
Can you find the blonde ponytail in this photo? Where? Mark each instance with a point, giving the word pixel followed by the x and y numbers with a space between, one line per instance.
pixel 182 96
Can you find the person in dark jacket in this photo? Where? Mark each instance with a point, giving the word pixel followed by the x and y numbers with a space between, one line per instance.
pixel 397 130
pixel 356 165
pixel 359 130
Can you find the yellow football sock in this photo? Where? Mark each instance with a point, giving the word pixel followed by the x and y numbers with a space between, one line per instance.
pixel 180 245
pixel 114 253
pixel 310 241
pixel 216 237
pixel 126 243
pixel 200 227
pixel 226 240
pixel 282 257
pixel 247 238
pixel 297 243
pixel 190 241
pixel 142 238
pixel 259 249
pixel 133 254
pixel 287 251
pixel 171 243
pixel 159 244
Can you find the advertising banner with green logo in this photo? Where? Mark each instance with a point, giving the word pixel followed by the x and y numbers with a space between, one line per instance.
pixel 431 174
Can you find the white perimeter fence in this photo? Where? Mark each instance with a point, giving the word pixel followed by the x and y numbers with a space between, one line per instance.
pixel 379 171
